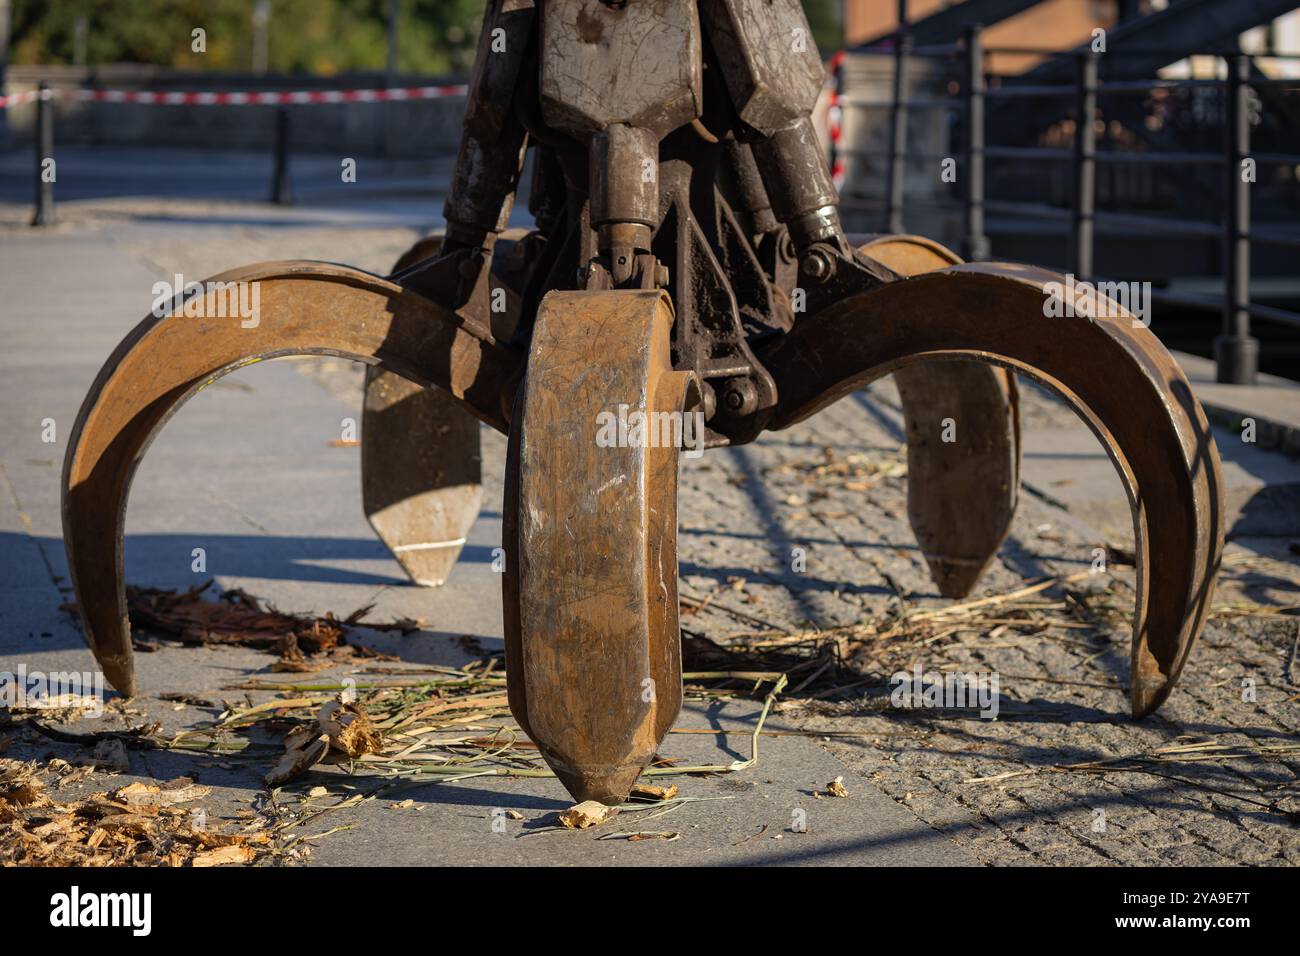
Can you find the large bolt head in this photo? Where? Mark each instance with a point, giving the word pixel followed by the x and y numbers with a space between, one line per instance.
pixel 817 265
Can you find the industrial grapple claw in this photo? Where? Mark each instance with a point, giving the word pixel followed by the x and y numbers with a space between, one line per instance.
pixel 688 279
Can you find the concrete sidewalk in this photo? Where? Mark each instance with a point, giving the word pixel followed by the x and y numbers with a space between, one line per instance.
pixel 1273 402
pixel 247 471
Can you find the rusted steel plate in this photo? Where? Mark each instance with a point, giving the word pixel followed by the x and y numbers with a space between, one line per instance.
pixel 592 644
pixel 303 308
pixel 1110 368
pixel 961 492
pixel 421 464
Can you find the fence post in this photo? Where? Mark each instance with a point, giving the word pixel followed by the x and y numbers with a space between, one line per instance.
pixel 898 133
pixel 975 245
pixel 390 81
pixel 1085 163
pixel 281 192
pixel 44 214
pixel 1236 354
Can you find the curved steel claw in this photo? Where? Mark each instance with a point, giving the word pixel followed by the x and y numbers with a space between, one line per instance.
pixel 961 495
pixel 303 308
pixel 593 652
pixel 421 464
pixel 1109 367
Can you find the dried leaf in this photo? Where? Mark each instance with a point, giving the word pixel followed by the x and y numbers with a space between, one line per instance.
pixel 836 788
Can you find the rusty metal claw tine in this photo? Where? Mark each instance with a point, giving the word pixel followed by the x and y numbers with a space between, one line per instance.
pixel 301 308
pixel 961 495
pixel 593 652
pixel 421 473
pixel 1104 363
pixel 421 464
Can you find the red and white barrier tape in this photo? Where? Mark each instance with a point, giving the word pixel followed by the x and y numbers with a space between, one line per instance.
pixel 229 98
pixel 835 118
pixel 835 113
pixel 16 99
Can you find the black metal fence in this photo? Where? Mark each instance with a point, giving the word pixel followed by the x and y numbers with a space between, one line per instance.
pixel 1236 351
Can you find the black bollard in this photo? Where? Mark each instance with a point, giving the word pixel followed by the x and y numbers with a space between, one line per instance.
pixel 975 243
pixel 44 215
pixel 1236 351
pixel 898 128
pixel 281 193
pixel 1085 164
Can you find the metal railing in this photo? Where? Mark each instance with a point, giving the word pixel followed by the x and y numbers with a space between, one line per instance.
pixel 1236 351
pixel 284 101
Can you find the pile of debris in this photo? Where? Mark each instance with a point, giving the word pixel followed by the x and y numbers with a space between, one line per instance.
pixel 303 643
pixel 135 825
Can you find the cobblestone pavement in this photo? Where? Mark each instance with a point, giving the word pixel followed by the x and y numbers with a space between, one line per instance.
pixel 1063 698
pixel 835 488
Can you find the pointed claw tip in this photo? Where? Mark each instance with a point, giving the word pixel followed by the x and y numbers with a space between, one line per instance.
pixel 954 579
pixel 428 569
pixel 1147 694
pixel 121 677
pixel 607 785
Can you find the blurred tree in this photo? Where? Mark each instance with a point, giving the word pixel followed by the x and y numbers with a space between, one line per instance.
pixel 311 36
pixel 825 17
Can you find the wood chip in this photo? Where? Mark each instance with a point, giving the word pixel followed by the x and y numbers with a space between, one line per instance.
pixel 128 827
pixel 224 856
pixel 140 794
pixel 349 729
pixel 589 813
pixel 110 755
pixel 637 836
pixel 303 748
pixel 648 791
